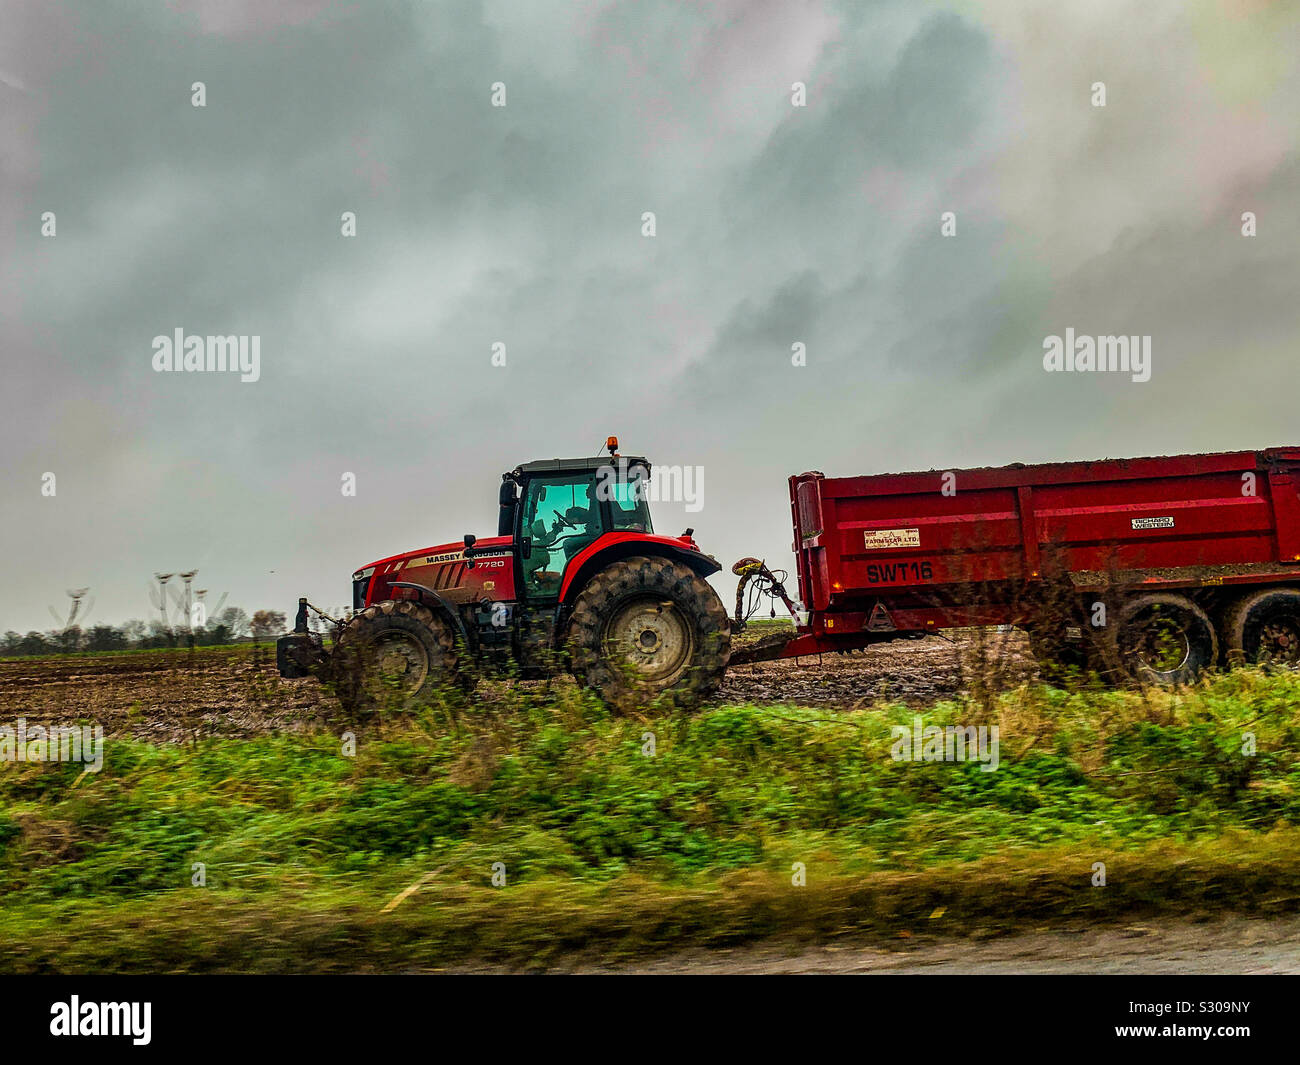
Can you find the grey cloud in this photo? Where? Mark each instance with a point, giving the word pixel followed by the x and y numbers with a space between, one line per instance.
pixel 522 225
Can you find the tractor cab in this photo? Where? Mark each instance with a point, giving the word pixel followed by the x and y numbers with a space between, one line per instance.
pixel 557 508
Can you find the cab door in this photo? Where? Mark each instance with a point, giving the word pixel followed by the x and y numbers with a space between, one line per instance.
pixel 559 517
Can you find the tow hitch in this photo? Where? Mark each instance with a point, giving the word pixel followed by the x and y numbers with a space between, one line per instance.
pixel 761 583
pixel 302 653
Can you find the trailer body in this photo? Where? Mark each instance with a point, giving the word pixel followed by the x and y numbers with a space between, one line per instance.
pixel 884 556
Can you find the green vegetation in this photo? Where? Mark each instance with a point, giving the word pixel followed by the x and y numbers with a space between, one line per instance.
pixel 603 844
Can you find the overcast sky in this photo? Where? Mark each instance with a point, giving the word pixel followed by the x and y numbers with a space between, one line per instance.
pixel 522 224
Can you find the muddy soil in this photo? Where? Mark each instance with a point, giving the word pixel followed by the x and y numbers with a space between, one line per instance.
pixel 915 672
pixel 177 696
pixel 166 697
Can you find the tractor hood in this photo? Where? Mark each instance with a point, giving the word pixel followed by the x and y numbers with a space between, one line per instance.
pixel 442 569
pixel 439 553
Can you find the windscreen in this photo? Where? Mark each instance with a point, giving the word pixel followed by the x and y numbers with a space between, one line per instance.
pixel 626 493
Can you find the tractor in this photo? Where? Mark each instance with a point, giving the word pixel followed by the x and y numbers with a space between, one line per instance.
pixel 575 579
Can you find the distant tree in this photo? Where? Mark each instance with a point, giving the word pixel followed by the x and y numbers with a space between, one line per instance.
pixel 267 623
pixel 216 634
pixel 34 643
pixel 134 632
pixel 235 621
pixel 10 643
pixel 105 638
pixel 66 642
pixel 159 635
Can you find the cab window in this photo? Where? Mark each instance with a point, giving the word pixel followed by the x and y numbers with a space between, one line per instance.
pixel 561 516
pixel 628 509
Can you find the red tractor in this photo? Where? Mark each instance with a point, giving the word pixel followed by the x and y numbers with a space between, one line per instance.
pixel 574 579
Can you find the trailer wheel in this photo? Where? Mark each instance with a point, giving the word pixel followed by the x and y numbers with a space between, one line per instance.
pixel 1264 627
pixel 1163 639
pixel 645 627
pixel 1061 660
pixel 392 652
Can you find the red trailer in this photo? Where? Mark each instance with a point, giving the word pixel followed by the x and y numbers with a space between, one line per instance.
pixel 1159 567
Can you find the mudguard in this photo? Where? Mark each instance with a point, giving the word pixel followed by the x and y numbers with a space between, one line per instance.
pixel 438 604
pixel 611 547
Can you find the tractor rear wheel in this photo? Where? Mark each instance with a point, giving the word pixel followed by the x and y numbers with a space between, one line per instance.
pixel 648 627
pixel 392 654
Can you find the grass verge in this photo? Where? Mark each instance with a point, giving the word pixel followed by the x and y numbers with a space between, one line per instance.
pixel 624 835
pixel 549 921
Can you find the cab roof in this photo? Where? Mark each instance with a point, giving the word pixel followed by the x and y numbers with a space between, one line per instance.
pixel 542 466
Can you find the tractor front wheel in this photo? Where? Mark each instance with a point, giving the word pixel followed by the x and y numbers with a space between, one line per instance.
pixel 649 627
pixel 392 654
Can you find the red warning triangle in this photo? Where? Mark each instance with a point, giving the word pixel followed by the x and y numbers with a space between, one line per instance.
pixel 880 621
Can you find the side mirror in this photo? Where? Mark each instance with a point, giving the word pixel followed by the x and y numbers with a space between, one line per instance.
pixel 508 498
pixel 470 541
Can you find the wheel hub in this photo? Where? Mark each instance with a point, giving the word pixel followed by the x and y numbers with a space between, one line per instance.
pixel 394 663
pixel 652 637
pixel 649 641
pixel 1279 641
pixel 401 657
pixel 1163 646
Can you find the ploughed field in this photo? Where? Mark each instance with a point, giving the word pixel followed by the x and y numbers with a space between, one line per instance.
pixel 172 696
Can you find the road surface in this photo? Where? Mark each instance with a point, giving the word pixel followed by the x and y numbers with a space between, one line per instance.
pixel 1228 945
